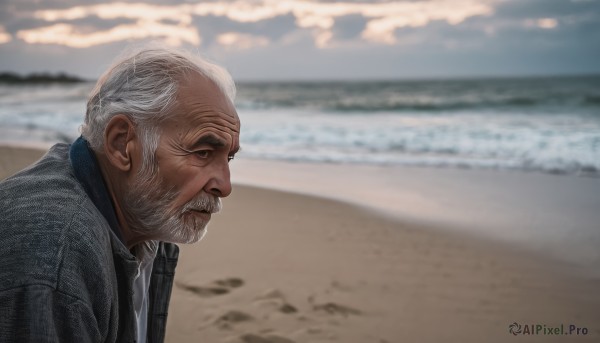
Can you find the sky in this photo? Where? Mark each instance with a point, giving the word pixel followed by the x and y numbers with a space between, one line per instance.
pixel 312 39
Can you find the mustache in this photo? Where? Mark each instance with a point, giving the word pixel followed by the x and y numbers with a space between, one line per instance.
pixel 205 203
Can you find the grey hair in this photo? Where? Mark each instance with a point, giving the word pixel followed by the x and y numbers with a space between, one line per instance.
pixel 142 84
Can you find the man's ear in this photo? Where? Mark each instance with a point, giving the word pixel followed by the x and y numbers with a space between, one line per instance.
pixel 119 141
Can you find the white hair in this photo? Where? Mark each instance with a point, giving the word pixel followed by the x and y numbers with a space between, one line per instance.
pixel 142 84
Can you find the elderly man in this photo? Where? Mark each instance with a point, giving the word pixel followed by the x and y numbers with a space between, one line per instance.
pixel 87 232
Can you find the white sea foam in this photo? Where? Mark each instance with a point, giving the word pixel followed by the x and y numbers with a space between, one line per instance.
pixel 557 143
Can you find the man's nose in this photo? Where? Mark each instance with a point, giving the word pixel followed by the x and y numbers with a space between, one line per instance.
pixel 220 182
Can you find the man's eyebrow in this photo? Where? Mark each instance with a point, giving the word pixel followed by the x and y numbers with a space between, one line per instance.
pixel 211 140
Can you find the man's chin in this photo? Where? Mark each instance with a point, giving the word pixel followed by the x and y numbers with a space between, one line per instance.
pixel 192 235
pixel 189 228
pixel 197 238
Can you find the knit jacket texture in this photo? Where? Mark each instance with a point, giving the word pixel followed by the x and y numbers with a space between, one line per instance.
pixel 65 274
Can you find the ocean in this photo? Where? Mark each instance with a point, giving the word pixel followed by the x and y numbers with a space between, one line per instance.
pixel 548 125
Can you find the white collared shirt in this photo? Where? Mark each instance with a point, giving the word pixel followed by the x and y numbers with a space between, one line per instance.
pixel 141 285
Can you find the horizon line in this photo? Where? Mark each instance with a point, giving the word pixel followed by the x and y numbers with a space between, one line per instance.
pixel 58 74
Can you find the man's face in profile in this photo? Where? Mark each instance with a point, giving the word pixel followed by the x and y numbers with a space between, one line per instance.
pixel 175 201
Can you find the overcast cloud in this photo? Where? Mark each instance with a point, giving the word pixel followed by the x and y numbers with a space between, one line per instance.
pixel 309 39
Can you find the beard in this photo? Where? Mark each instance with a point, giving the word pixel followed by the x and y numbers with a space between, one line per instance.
pixel 148 208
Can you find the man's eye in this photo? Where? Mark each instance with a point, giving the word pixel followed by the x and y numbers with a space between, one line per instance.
pixel 203 153
pixel 230 158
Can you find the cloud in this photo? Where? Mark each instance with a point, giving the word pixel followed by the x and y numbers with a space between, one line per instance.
pixel 4 36
pixel 68 35
pixel 241 41
pixel 382 18
pixel 543 23
pixel 119 10
pixel 419 14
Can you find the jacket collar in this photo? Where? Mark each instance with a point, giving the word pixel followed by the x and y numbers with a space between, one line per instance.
pixel 87 171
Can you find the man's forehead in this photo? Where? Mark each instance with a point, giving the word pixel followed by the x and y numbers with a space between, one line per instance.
pixel 198 93
pixel 202 107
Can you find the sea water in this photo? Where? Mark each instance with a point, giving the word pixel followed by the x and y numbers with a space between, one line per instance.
pixel 549 125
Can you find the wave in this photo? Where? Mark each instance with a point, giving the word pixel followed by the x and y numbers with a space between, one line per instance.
pixel 434 107
pixel 371 105
pixel 573 94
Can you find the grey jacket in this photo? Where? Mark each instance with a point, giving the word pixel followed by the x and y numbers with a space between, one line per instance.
pixel 65 275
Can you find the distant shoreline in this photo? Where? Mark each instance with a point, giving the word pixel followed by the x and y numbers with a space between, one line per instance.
pixel 62 77
pixel 38 78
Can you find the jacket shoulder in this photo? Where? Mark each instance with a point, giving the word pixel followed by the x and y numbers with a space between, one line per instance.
pixel 49 228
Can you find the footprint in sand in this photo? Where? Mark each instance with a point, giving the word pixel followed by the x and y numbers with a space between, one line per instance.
pixel 230 282
pixel 217 287
pixel 232 317
pixel 276 299
pixel 287 308
pixel 333 309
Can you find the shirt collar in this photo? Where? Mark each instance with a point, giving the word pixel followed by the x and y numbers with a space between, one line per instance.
pixel 87 171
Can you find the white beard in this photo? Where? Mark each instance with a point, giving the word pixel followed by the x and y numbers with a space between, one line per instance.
pixel 148 210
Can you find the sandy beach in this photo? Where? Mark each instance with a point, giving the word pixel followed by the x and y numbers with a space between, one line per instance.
pixel 309 253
